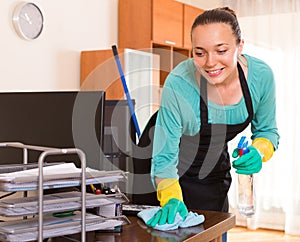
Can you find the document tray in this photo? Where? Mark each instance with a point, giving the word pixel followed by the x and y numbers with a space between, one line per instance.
pixel 27 230
pixel 56 202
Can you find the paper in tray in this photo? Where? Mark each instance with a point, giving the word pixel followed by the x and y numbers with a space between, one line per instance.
pixel 21 167
pixel 56 176
pixel 56 202
pixel 27 230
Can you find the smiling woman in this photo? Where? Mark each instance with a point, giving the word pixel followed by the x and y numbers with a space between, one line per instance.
pixel 206 102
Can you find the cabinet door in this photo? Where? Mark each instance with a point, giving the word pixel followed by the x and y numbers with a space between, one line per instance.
pixel 134 24
pixel 190 13
pixel 98 71
pixel 167 25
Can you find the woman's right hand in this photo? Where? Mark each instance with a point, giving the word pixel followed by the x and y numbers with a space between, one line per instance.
pixel 168 213
pixel 170 197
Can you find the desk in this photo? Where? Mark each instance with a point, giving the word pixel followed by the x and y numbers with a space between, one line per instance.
pixel 215 224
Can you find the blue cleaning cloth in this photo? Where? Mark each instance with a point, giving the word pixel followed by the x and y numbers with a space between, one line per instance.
pixel 192 219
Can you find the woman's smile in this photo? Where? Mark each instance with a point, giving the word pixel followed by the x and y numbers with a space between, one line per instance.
pixel 214 73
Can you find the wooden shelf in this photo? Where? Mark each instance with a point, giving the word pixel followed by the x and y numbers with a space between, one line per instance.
pixel 170 57
pixel 164 52
pixel 179 55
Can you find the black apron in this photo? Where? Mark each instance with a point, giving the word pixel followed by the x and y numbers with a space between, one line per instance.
pixel 206 180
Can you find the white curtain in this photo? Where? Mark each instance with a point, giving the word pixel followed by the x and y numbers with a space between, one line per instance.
pixel 271 32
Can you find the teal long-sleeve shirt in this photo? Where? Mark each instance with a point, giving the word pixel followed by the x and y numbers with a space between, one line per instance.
pixel 179 112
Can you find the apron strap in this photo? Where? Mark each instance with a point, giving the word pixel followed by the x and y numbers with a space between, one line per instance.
pixel 245 91
pixel 203 96
pixel 203 100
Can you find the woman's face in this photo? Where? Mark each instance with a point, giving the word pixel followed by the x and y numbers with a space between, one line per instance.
pixel 215 51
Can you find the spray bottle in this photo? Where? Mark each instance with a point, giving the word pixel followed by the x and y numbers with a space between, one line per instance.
pixel 246 196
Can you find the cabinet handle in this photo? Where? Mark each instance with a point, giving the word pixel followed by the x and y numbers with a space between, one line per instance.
pixel 170 42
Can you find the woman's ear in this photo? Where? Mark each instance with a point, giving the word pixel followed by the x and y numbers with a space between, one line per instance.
pixel 241 46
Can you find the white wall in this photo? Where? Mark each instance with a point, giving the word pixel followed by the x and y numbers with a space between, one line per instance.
pixel 52 62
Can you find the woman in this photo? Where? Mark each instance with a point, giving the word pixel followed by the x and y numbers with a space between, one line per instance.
pixel 206 101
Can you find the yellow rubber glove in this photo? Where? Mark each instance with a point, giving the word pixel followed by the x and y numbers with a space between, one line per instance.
pixel 168 188
pixel 170 196
pixel 265 147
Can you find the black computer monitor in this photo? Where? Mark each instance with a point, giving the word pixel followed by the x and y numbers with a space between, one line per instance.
pixel 61 119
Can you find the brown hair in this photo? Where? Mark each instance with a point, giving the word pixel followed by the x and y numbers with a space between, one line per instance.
pixel 219 15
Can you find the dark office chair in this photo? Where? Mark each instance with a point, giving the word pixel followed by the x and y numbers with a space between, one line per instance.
pixel 143 190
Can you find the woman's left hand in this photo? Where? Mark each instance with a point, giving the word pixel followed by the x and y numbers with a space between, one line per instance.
pixel 248 163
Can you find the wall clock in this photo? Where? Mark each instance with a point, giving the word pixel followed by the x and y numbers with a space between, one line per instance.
pixel 28 20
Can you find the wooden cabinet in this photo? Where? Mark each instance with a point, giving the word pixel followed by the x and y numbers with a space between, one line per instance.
pixel 134 24
pixel 167 22
pixel 189 15
pixel 145 21
pixel 158 26
pixel 99 71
